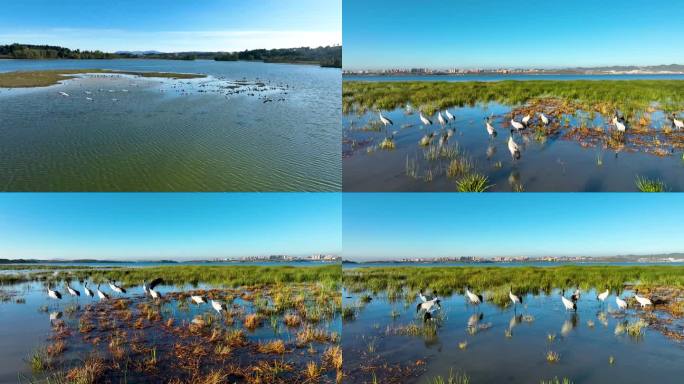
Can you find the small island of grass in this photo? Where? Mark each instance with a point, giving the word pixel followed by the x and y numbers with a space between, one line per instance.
pixel 30 79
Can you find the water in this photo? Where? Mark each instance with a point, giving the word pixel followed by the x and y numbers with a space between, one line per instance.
pixel 173 135
pixel 500 77
pixel 584 340
pixel 554 162
pixel 505 264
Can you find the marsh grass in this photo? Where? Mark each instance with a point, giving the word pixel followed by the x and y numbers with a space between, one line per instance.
pixel 457 378
pixel 644 184
pixel 473 182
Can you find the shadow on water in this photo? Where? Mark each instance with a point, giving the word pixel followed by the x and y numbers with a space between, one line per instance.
pixel 538 340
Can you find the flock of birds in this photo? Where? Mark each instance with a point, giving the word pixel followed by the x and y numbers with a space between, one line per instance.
pixel 429 305
pixel 516 126
pixel 148 290
pixel 89 93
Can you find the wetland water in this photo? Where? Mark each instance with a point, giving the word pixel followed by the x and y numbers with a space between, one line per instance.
pixel 578 151
pixel 266 332
pixel 493 344
pixel 248 126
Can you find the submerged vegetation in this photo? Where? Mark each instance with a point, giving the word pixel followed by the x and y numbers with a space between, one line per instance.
pixel 27 79
pixel 603 96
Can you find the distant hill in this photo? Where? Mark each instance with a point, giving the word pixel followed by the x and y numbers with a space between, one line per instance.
pixel 330 56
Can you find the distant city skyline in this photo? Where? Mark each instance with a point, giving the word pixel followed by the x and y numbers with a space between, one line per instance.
pixel 171 226
pixel 396 226
pixel 469 34
pixel 172 26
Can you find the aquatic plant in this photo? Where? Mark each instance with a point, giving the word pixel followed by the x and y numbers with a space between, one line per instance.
pixel 473 182
pixel 458 378
pixel 556 380
pixel 275 346
pixel 648 185
pixel 462 345
pixel 387 143
pixel 552 357
pixel 459 166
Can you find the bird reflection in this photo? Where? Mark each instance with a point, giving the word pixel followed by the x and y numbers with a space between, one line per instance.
pixel 569 324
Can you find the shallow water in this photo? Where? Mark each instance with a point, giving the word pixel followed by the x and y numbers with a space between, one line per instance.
pixel 173 135
pixel 35 330
pixel 584 340
pixel 554 163
pixel 500 77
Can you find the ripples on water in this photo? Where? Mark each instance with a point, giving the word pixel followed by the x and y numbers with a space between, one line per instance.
pixel 216 134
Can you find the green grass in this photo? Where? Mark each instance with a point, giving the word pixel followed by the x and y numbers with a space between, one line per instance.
pixel 457 378
pixel 228 276
pixel 629 96
pixel 497 280
pixel 28 79
pixel 647 185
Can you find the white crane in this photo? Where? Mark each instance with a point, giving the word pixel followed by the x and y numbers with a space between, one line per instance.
pixel 603 295
pixel 568 304
pixel 516 125
pixel 89 98
pixel 490 128
pixel 72 291
pixel 197 299
pixel 100 294
pixel 116 288
pixel 449 116
pixel 53 294
pixel 620 125
pixel 87 290
pixel 513 147
pixel 64 94
pixel 514 298
pixel 425 120
pixel 644 301
pixel 473 298
pixel 677 123
pixel 620 303
pixel 441 119
pixel 526 120
pixel 218 306
pixel 385 121
pixel 543 118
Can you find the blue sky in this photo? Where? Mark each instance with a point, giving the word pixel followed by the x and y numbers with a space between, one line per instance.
pixel 172 25
pixel 175 226
pixel 502 33
pixel 397 225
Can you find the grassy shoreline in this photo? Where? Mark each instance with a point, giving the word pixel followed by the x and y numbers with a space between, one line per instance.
pixel 31 79
pixel 604 96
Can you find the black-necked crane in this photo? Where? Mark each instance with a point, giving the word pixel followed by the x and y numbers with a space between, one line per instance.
pixel 568 304
pixel 100 294
pixel 676 122
pixel 116 288
pixel 197 299
pixel 473 298
pixel 87 290
pixel 513 147
pixel 150 289
pixel 643 301
pixel 449 116
pixel 490 128
pixel 218 306
pixel 72 291
pixel 575 295
pixel 444 139
pixel 53 294
pixel 620 303
pixel 385 121
pixel 514 298
pixel 518 126
pixel 428 304
pixel 427 139
pixel 543 118
pixel 425 120
pixel 440 119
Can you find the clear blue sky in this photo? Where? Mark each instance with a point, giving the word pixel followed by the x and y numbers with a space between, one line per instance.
pixel 172 25
pixel 397 225
pixel 174 226
pixel 503 33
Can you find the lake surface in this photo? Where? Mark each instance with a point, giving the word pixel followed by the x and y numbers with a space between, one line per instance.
pixel 502 264
pixel 500 77
pixel 558 161
pixel 249 126
pixel 507 345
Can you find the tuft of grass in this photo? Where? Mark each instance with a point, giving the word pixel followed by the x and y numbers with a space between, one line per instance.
pixel 473 182
pixel 275 346
pixel 552 357
pixel 644 184
pixel 333 357
pixel 91 372
pixel 39 360
pixel 458 378
pixel 462 345
pixel 252 321
pixel 387 144
pixel 556 380
pixel 459 166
